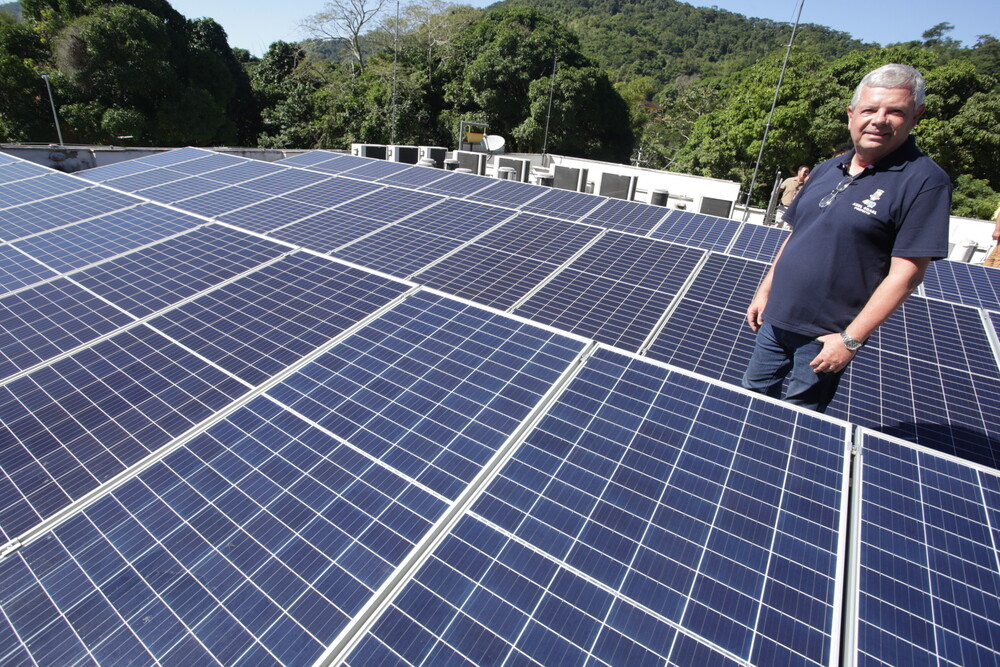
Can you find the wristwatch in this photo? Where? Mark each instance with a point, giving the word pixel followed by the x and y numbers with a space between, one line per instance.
pixel 850 343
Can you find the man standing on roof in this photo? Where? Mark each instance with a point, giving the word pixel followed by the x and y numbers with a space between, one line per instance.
pixel 864 229
pixel 791 187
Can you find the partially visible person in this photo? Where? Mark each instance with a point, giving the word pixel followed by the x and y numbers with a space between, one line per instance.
pixel 864 229
pixel 788 189
pixel 993 259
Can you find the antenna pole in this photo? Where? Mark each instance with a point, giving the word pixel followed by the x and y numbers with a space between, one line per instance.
pixel 548 115
pixel 767 126
pixel 53 103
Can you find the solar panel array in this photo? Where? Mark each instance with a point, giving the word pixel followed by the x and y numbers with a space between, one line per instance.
pixel 238 427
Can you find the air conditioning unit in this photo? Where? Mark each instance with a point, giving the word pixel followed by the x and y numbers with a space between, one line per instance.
pixel 474 162
pixel 377 151
pixel 405 154
pixel 521 167
pixel 618 186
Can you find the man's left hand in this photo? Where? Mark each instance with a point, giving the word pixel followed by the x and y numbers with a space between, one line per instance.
pixel 833 357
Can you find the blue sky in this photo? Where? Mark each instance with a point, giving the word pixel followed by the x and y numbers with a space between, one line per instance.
pixel 254 24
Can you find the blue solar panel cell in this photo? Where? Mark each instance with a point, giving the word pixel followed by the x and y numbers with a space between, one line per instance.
pixel 262 323
pixel 38 187
pixel 702 231
pixel 220 202
pixel 415 177
pixel 208 163
pixel 285 181
pixel 213 555
pixel 327 231
pixel 100 238
pixel 244 171
pixel 153 278
pixel 376 169
pixel 82 420
pixel 50 319
pixel 706 331
pixel 144 179
pixel 508 193
pixel 15 171
pixel 937 332
pixel 332 192
pixel 338 164
pixel 626 216
pixel 168 193
pixel 173 157
pixel 307 159
pixel 270 214
pixel 967 284
pixel 457 219
pixel 389 204
pixel 564 204
pixel 17 270
pixel 643 502
pixel 398 250
pixel 458 185
pixel 36 217
pixel 114 170
pixel 432 388
pixel 616 291
pixel 758 242
pixel 929 584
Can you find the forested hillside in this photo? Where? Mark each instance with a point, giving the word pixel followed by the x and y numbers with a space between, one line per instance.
pixel 653 82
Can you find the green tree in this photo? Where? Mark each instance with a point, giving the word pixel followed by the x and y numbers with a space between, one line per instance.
pixel 24 112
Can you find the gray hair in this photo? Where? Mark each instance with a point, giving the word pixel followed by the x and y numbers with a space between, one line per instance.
pixel 893 75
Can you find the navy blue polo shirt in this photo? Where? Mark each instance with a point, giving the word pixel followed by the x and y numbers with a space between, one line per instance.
pixel 837 255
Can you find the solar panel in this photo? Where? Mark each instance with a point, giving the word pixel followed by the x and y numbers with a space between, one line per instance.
pixel 626 216
pixel 758 242
pixel 458 184
pixel 376 169
pixel 244 171
pixel 564 204
pixel 706 331
pixel 616 291
pixel 115 170
pixel 415 177
pixel 506 264
pixel 15 171
pixel 47 320
pixel 332 192
pixel 307 159
pixel 256 326
pixel 426 236
pixel 508 193
pixel 153 278
pixel 702 231
pixel 968 284
pixel 338 164
pixel 176 156
pixel 222 201
pixel 145 179
pixel 76 246
pixel 648 513
pixel 40 216
pixel 17 270
pixel 168 193
pixel 77 423
pixel 937 332
pixel 326 231
pixel 285 181
pixel 208 163
pixel 270 214
pixel 38 187
pixel 388 204
pixel 928 581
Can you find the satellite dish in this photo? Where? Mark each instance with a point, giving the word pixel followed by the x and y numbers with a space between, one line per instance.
pixel 493 142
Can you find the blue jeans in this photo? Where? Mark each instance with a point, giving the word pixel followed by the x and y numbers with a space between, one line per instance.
pixel 777 353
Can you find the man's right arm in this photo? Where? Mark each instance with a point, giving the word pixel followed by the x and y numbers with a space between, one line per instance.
pixel 755 311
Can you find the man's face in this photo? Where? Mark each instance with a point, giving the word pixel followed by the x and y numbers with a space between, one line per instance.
pixel 881 121
pixel 803 172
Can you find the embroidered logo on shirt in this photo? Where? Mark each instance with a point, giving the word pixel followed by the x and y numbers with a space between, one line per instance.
pixel 867 206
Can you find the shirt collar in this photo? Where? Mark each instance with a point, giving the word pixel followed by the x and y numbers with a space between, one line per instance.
pixel 894 161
